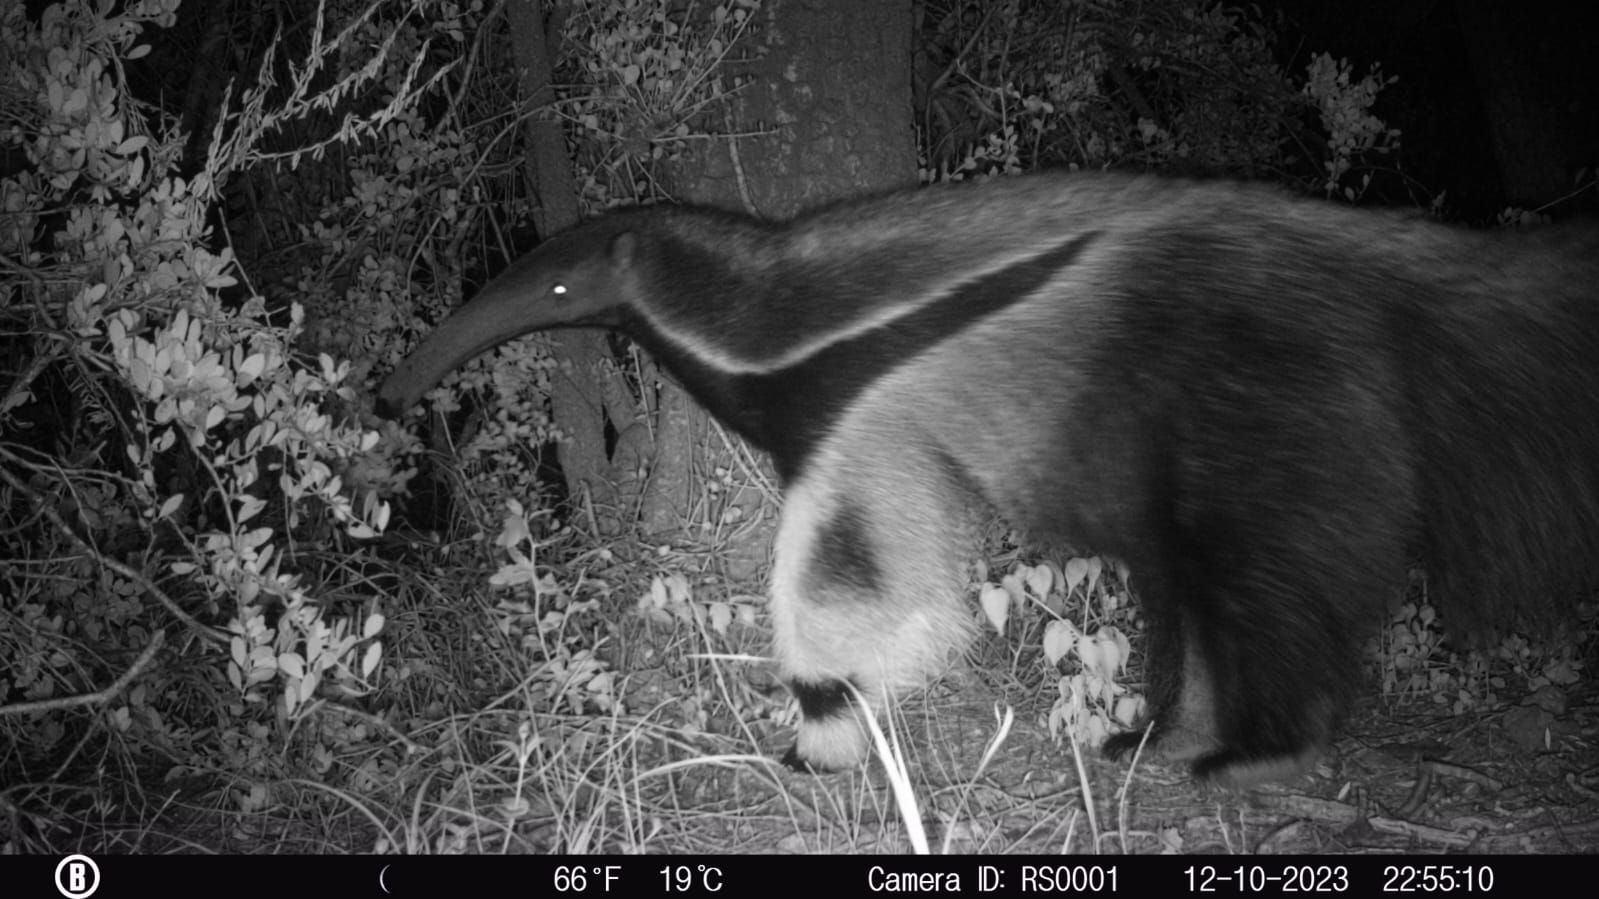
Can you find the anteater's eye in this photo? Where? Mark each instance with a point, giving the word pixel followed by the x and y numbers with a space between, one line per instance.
pixel 558 289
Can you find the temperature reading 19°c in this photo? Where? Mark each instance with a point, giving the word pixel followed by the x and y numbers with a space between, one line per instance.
pixel 683 878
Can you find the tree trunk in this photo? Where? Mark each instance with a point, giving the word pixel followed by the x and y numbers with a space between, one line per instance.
pixel 577 390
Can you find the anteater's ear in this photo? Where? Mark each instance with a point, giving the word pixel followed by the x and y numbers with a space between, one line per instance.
pixel 624 249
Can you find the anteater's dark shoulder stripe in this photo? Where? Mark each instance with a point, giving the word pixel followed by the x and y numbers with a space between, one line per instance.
pixel 786 412
pixel 804 402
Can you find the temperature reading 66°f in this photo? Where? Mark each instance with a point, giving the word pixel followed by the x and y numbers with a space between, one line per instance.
pixel 577 879
pixel 683 878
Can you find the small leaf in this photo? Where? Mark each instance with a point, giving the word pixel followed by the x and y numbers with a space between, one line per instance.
pixel 1111 657
pixel 1059 638
pixel 721 617
pixel 1076 573
pixel 657 598
pixel 1013 585
pixel 678 589
pixel 249 507
pixel 253 366
pixel 1039 579
pixel 1088 652
pixel 996 605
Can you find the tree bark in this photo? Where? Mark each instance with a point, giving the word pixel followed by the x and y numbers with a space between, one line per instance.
pixel 578 398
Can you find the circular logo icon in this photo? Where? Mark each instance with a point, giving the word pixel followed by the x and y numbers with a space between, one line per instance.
pixel 77 876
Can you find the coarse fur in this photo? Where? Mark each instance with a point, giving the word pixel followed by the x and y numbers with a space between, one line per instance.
pixel 1258 403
